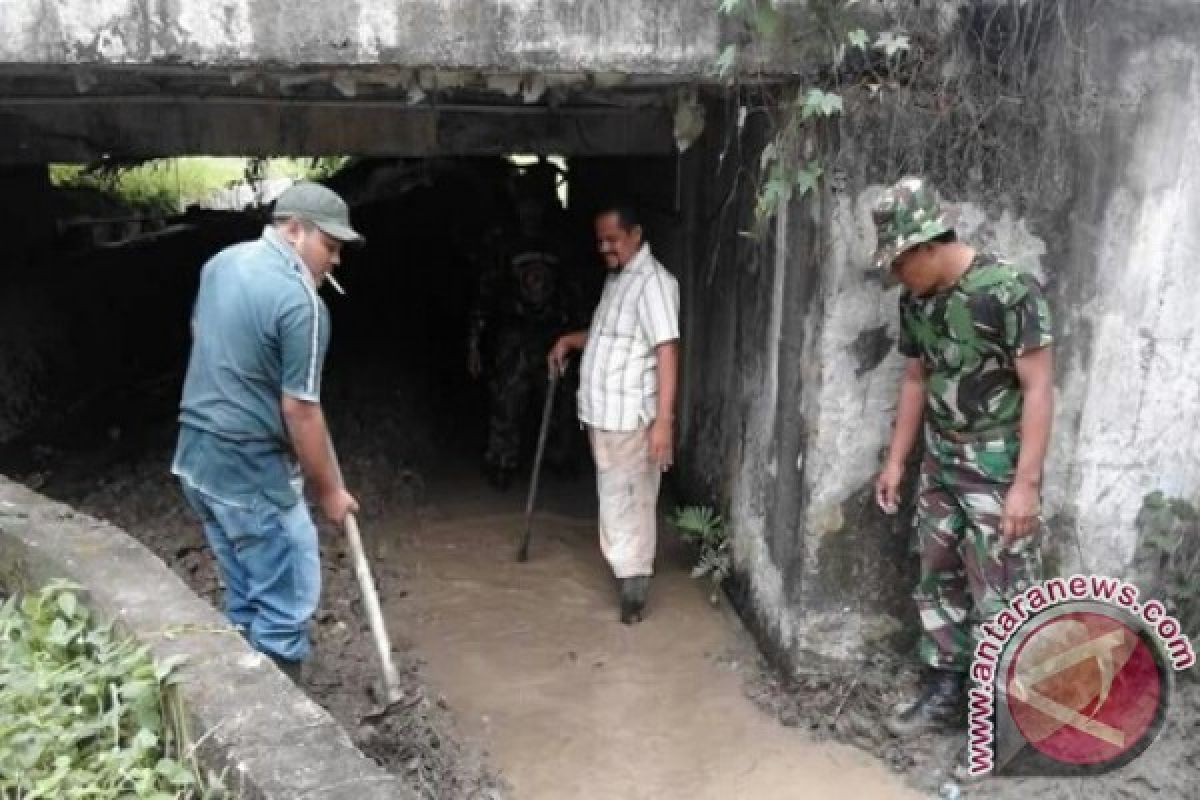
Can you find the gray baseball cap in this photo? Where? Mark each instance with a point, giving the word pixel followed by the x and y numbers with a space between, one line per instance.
pixel 322 206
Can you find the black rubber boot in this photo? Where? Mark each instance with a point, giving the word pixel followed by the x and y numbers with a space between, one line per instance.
pixel 626 592
pixel 940 706
pixel 633 598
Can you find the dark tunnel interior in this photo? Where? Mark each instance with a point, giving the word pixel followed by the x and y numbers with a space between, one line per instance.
pixel 107 338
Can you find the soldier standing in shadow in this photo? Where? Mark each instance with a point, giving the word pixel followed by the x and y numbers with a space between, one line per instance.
pixel 528 295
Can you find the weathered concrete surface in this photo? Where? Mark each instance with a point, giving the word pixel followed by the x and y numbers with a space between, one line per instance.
pixel 640 36
pixel 1131 388
pixel 791 351
pixel 248 717
pixel 81 80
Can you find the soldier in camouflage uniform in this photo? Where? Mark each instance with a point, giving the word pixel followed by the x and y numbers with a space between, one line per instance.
pixel 526 299
pixel 976 333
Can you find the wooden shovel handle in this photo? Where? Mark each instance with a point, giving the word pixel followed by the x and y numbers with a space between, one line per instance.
pixel 362 570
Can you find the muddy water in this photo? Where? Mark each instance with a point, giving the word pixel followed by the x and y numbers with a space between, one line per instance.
pixel 572 704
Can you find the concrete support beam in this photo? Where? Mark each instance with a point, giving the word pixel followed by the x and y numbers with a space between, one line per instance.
pixel 40 130
pixel 670 37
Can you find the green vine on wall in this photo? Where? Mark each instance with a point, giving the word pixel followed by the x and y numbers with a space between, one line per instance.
pixel 984 98
pixel 788 167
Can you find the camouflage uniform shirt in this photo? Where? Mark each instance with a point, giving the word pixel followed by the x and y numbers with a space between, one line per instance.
pixel 968 338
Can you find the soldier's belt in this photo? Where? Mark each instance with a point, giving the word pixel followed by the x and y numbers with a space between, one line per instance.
pixel 975 437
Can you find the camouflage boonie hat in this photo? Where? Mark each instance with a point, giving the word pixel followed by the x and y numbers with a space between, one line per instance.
pixel 907 214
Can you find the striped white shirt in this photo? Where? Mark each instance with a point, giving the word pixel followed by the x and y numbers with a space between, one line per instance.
pixel 618 379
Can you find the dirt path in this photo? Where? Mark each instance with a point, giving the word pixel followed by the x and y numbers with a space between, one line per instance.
pixel 569 702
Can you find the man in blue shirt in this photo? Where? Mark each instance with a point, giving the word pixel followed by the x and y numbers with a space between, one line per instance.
pixel 251 426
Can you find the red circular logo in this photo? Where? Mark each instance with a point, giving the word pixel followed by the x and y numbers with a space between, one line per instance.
pixel 1084 688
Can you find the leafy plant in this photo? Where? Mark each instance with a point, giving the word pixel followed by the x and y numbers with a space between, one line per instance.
pixel 1170 536
pixel 85 712
pixel 703 528
pixel 830 31
pixel 784 171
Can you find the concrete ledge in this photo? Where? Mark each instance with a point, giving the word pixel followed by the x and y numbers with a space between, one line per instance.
pixel 247 716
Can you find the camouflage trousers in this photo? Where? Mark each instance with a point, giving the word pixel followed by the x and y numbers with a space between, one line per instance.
pixel 517 386
pixel 966 575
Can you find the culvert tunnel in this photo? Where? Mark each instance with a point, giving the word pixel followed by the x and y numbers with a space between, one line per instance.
pixel 97 298
pixel 98 331
pixel 100 307
pixel 96 340
pixel 96 326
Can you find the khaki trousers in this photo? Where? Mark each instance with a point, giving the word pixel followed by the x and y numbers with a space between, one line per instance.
pixel 627 484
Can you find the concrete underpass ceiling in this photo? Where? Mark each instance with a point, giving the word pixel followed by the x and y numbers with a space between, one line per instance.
pixel 77 113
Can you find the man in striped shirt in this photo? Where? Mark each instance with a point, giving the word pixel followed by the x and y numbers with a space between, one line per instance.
pixel 251 403
pixel 626 397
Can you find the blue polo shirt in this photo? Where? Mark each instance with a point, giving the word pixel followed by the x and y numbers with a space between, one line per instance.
pixel 259 331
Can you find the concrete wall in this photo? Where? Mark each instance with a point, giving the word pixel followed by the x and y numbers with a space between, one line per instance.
pixel 643 36
pixel 791 352
pixel 790 370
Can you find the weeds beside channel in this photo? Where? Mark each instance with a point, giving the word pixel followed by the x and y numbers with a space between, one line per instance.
pixel 86 711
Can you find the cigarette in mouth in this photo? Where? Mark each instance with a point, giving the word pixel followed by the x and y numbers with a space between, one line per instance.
pixel 337 287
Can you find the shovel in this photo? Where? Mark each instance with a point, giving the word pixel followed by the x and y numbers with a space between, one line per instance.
pixel 547 409
pixel 393 694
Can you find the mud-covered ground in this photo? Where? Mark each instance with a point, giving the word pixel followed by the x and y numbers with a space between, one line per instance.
pixel 126 480
pixel 420 740
pixel 850 705
pixel 382 429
